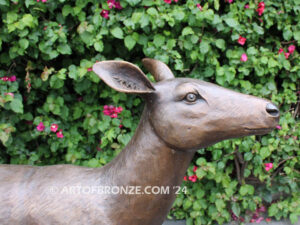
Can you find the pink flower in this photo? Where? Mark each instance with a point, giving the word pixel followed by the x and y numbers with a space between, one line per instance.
pixel 260 8
pixel 278 127
pixel 112 111
pixel 10 94
pixel 185 178
pixel 268 220
pixel 118 5
pixel 13 78
pixel 44 1
pixel 54 127
pixel 105 14
pixel 175 0
pixel 291 49
pixel 259 219
pixel 241 40
pixel 199 6
pixel 193 178
pixel 40 127
pixel 244 57
pixel 234 217
pixel 106 112
pixel 230 1
pixel 90 69
pixel 118 109
pixel 268 166
pixel 195 169
pixel 280 50
pixel 59 134
pixel 120 126
pixel 247 6
pixel 262 209
pixel 5 78
pixel 168 1
pixel 114 115
pixel 286 55
pixel 111 3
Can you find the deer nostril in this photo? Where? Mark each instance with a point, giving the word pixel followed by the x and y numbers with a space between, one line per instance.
pixel 272 110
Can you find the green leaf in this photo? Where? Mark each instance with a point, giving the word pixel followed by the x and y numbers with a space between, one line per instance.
pixel 28 20
pixel 11 17
pixel 117 32
pixel 98 45
pixel 67 9
pixel 236 209
pixel 16 105
pixel 297 35
pixel 272 210
pixel 258 29
pixel 158 40
pixel 187 204
pixel 55 82
pixel 231 22
pixel 204 46
pixel 64 49
pixel 4 137
pixel 136 16
pixel 23 43
pixel 293 218
pixel 271 85
pixel 252 51
pixel 93 163
pixel 129 42
pixel 246 189
pixel 200 173
pixel 133 2
pixel 287 34
pixel 178 14
pixel 152 12
pixel 264 152
pixel 220 43
pixel 187 31
pixel 272 63
pixel 248 156
pixel 217 4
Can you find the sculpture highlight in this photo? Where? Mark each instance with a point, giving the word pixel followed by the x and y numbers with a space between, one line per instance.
pixel 180 116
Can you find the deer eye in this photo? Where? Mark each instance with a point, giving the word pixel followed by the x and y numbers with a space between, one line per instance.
pixel 191 97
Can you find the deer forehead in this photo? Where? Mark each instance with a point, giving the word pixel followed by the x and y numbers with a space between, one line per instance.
pixel 179 87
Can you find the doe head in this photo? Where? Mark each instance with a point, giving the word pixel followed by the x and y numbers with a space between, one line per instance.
pixel 188 114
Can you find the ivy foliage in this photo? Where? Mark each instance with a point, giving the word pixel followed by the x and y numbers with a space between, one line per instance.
pixel 48 47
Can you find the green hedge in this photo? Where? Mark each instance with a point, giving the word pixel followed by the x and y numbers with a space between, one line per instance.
pixel 52 104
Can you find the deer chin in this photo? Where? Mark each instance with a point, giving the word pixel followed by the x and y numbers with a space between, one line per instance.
pixel 258 131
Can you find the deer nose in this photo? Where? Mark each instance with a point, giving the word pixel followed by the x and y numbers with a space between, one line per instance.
pixel 272 110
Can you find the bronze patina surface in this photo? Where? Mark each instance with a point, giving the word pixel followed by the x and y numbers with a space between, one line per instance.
pixel 180 116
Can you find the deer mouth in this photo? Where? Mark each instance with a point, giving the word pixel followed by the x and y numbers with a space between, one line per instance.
pixel 258 130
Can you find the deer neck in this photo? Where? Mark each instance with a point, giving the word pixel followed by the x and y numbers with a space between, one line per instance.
pixel 148 161
pixel 145 162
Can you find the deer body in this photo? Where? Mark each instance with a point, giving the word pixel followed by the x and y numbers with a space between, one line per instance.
pixel 180 116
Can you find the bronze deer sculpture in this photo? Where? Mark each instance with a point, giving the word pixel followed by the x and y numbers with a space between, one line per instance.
pixel 180 116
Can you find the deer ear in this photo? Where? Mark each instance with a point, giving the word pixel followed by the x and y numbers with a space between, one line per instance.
pixel 123 76
pixel 158 69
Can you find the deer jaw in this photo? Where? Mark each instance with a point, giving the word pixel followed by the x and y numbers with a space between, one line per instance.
pixel 216 114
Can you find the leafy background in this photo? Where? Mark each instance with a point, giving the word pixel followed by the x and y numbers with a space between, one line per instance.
pixel 50 46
